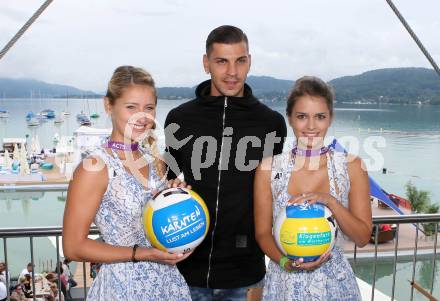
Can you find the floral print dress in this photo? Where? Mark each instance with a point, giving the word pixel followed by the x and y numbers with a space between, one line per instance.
pixel 334 279
pixel 119 221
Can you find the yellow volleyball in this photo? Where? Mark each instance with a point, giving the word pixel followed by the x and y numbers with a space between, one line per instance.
pixel 305 231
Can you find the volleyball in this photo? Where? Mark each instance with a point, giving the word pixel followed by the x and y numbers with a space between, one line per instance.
pixel 176 220
pixel 305 231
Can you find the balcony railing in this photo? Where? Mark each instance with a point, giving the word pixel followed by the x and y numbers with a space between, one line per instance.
pixel 31 233
pixel 417 220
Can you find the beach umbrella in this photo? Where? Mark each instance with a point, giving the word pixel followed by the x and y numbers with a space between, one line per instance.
pixel 24 165
pixel 23 153
pixel 32 146
pixel 15 153
pixel 37 144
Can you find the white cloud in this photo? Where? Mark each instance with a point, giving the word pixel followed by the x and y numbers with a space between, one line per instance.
pixel 81 42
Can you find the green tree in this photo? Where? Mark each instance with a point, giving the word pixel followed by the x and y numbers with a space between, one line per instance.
pixel 432 208
pixel 419 199
pixel 421 203
pixel 429 228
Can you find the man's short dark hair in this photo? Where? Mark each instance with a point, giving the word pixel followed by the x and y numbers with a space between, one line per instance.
pixel 226 34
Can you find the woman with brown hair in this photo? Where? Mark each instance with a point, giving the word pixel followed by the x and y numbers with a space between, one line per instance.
pixel 311 172
pixel 111 187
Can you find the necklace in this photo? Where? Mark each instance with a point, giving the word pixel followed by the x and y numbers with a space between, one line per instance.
pixel 121 146
pixel 310 152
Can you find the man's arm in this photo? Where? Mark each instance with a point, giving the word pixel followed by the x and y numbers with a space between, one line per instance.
pixel 281 131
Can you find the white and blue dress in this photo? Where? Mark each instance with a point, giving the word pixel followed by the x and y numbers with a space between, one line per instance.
pixel 334 279
pixel 119 221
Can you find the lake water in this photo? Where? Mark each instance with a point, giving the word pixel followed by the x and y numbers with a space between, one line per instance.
pixel 384 277
pixel 411 135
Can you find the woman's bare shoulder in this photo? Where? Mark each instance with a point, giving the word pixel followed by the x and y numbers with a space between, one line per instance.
pixel 355 164
pixel 91 171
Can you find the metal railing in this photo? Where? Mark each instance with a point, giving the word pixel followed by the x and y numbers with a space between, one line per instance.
pixel 31 233
pixel 416 219
pixel 33 187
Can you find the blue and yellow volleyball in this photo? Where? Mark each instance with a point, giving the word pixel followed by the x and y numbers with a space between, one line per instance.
pixel 305 231
pixel 176 220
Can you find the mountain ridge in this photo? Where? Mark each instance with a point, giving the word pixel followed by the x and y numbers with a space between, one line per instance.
pixel 27 88
pixel 410 85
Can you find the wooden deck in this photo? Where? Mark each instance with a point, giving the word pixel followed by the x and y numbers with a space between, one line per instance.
pixel 407 234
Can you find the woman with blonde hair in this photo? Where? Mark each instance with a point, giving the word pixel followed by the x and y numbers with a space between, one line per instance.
pixel 110 188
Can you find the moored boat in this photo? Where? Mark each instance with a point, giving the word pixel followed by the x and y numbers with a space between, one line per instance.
pixel 48 113
pixel 4 114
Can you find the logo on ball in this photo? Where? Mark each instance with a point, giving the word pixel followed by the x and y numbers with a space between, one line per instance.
pixel 305 231
pixel 176 220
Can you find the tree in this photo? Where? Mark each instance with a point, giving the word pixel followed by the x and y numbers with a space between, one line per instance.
pixel 421 203
pixel 429 228
pixel 419 199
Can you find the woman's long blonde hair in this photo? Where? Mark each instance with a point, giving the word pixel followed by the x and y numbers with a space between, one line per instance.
pixel 124 77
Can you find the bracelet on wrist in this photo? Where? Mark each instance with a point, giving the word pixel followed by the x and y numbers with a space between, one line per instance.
pixel 133 253
pixel 283 261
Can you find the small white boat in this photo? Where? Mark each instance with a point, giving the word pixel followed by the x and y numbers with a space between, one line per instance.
pixel 41 117
pixel 48 113
pixel 66 111
pixel 4 114
pixel 56 138
pixel 59 119
pixel 83 119
pixel 33 122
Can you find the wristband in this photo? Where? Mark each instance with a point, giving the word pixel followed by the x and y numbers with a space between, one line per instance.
pixel 283 261
pixel 133 254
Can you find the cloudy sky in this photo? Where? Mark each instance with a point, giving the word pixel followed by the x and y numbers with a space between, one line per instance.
pixel 81 42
